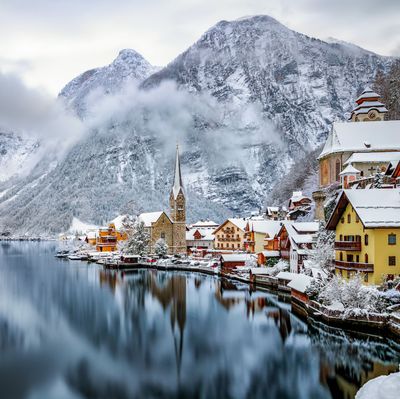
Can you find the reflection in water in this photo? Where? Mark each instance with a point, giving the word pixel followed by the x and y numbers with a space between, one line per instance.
pixel 72 330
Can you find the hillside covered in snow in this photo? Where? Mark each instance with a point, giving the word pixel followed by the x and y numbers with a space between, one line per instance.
pixel 244 102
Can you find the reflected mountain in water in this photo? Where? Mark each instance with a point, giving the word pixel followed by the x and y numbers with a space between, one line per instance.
pixel 74 330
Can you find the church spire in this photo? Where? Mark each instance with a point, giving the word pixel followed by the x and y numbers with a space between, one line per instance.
pixel 178 185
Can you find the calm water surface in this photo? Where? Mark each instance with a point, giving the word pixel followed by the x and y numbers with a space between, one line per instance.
pixel 71 330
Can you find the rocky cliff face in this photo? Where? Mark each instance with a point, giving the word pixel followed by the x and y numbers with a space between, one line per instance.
pixel 246 100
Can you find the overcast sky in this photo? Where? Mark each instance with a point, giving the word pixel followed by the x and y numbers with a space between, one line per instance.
pixel 49 42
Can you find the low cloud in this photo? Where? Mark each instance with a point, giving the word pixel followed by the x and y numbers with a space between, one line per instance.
pixel 33 114
pixel 173 115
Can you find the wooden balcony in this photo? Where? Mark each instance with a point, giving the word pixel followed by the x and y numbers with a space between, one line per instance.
pixel 228 239
pixel 354 266
pixel 348 245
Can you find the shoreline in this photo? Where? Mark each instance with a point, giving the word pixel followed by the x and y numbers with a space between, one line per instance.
pixel 380 325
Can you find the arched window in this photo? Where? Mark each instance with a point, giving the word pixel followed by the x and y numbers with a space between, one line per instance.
pixel 366 258
pixel 366 239
pixel 337 170
pixel 341 237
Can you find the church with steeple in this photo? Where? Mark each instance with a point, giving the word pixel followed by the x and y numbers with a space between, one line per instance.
pixel 171 228
pixel 363 146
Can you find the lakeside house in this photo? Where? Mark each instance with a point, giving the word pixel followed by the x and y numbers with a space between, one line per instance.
pixel 296 240
pixel 257 232
pixel 106 240
pixel 200 237
pixel 367 225
pixel 230 235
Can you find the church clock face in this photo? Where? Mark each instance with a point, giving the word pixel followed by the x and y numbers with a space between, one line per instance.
pixel 372 115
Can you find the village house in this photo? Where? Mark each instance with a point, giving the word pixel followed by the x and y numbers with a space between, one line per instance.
pixel 368 147
pixel 256 231
pixel 273 213
pixel 230 235
pixel 171 228
pixel 200 237
pixel 367 225
pixel 106 240
pixel 296 240
pixel 299 205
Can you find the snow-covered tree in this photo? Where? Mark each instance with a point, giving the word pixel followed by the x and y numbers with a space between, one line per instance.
pixel 322 255
pixel 352 296
pixel 138 240
pixel 251 261
pixel 161 248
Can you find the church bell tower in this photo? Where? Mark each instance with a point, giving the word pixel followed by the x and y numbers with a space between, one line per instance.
pixel 177 203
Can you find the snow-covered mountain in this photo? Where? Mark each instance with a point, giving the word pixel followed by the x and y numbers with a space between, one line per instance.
pixel 15 152
pixel 128 66
pixel 248 98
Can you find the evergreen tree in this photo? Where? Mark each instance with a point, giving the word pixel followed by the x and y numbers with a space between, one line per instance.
pixel 138 240
pixel 388 86
pixel 161 248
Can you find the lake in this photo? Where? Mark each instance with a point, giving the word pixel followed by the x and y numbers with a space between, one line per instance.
pixel 69 329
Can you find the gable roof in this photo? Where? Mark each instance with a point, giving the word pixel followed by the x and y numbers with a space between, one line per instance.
pixel 270 227
pixel 373 157
pixel 206 234
pixel 238 222
pixel 375 207
pixel 362 137
pixel 150 217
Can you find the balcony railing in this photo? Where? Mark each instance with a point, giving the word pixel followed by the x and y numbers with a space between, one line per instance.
pixel 228 239
pixel 348 245
pixel 357 266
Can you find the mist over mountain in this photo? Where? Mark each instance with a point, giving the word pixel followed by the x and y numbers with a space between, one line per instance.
pixel 244 102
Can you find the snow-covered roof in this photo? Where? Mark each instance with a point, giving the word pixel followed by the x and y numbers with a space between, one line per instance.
pixel 270 253
pixel 261 270
pixel 301 232
pixel 206 234
pixel 205 223
pixel 302 227
pixel 349 170
pixel 149 218
pixel 286 275
pixel 271 209
pixel 239 222
pixel 118 221
pixel 297 196
pixel 373 157
pixel 363 137
pixel 376 207
pixel 235 257
pixel 91 234
pixel 300 282
pixel 367 93
pixel 270 227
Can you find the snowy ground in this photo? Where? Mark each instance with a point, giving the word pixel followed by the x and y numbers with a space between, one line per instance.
pixel 383 387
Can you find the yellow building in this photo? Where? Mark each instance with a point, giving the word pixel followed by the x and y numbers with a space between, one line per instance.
pixel 367 224
pixel 257 232
pixel 230 235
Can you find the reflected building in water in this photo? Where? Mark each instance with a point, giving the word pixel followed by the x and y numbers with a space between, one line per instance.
pixel 172 294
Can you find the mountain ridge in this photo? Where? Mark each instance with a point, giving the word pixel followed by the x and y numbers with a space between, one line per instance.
pixel 245 101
